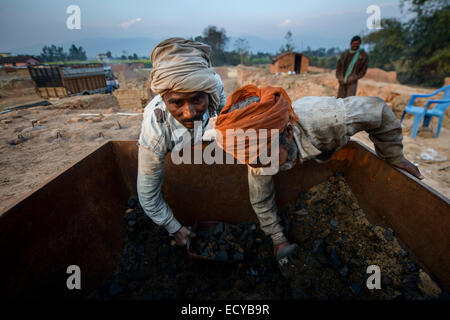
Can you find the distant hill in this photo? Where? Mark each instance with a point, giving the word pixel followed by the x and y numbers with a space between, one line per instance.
pixel 142 45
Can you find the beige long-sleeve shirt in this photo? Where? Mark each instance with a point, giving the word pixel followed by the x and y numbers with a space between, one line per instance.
pixel 160 132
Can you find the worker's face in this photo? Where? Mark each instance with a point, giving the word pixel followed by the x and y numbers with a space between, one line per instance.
pixel 187 107
pixel 283 152
pixel 355 45
pixel 289 137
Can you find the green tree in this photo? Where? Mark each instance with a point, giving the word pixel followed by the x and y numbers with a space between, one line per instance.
pixel 76 53
pixel 424 7
pixel 289 46
pixel 53 53
pixel 388 45
pixel 242 46
pixel 45 53
pixel 429 47
pixel 73 52
pixel 419 47
pixel 60 55
pixel 217 39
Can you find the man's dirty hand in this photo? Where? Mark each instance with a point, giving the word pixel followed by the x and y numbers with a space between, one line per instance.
pixel 182 236
pixel 409 167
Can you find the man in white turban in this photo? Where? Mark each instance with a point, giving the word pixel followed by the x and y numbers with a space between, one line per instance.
pixel 188 90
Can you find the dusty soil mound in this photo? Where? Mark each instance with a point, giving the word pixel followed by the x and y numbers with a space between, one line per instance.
pixel 95 101
pixel 131 76
pixel 15 84
pixel 16 88
pixel 132 98
pixel 134 92
pixel 229 78
pixel 381 75
pixel 337 245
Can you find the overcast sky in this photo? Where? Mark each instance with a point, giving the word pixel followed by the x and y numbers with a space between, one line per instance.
pixel 316 23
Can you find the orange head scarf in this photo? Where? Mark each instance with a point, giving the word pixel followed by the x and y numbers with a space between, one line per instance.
pixel 268 108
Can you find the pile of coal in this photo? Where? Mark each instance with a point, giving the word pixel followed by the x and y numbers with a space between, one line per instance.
pixel 337 245
pixel 151 268
pixel 223 241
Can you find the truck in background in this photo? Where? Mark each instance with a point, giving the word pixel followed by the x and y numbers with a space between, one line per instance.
pixel 70 80
pixel 112 83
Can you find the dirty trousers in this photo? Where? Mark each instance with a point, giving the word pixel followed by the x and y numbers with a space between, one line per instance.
pixel 357 114
pixel 347 90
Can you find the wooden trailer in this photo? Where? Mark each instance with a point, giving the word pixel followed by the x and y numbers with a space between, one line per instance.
pixel 68 80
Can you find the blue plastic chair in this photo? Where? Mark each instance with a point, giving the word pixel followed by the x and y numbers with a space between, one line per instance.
pixel 425 114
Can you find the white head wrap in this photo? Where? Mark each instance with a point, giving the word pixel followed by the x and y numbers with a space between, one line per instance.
pixel 184 66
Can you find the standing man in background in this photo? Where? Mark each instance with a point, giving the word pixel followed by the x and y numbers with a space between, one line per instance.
pixel 351 67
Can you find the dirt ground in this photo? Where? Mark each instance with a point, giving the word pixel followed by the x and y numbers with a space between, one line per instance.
pixel 39 142
pixel 16 89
